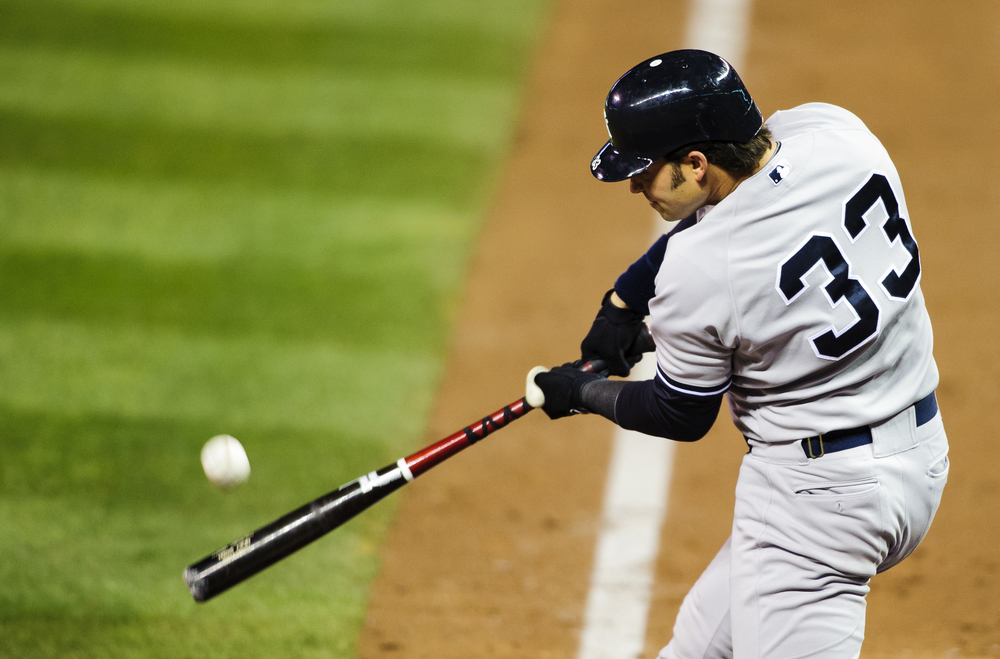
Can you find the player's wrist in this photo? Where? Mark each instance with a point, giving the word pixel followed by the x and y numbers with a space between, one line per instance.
pixel 614 299
pixel 617 311
pixel 612 336
pixel 600 395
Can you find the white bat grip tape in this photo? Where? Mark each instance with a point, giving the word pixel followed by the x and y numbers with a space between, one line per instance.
pixel 532 392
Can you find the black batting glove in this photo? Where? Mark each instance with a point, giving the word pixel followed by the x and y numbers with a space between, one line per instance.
pixel 561 387
pixel 612 337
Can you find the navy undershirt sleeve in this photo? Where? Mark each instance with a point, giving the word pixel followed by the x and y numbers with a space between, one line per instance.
pixel 637 285
pixel 653 408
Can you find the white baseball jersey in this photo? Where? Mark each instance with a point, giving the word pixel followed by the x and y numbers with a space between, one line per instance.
pixel 799 292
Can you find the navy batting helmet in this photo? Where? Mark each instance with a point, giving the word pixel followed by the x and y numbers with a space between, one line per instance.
pixel 669 101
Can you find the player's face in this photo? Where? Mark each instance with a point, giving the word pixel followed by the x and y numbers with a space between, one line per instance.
pixel 673 190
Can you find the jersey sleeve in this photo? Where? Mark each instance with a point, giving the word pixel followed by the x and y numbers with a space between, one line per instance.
pixel 693 317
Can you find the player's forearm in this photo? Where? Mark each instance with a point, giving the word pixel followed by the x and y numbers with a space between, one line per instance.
pixel 600 396
pixel 651 408
pixel 637 285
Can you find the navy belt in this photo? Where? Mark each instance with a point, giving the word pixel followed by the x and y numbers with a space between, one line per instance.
pixel 841 440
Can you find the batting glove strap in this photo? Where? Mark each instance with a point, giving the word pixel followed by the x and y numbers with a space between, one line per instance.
pixel 562 387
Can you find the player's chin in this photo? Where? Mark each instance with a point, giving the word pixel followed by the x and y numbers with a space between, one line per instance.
pixel 661 211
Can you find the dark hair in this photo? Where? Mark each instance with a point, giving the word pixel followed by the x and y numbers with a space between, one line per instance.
pixel 737 158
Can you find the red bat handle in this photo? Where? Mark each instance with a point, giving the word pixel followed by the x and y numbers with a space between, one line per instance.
pixel 423 460
pixel 440 451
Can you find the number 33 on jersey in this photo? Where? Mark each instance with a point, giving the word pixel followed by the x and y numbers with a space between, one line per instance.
pixel 824 250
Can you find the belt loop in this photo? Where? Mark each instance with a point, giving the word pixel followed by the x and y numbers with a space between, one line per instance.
pixel 809 447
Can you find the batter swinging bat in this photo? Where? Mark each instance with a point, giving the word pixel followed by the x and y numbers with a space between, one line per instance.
pixel 247 556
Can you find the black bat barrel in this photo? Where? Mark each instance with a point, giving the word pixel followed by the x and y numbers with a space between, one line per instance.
pixel 247 556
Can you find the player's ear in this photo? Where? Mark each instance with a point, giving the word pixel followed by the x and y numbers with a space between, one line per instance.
pixel 699 164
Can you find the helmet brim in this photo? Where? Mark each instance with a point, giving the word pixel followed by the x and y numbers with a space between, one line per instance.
pixel 610 165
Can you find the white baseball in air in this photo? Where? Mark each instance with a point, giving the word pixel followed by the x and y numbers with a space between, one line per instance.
pixel 225 462
pixel 532 392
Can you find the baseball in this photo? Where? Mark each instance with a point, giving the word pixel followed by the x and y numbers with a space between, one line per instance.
pixel 225 462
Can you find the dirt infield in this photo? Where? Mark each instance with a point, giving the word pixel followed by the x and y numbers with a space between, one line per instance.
pixel 491 554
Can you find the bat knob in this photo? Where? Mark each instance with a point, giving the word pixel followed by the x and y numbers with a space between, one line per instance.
pixel 532 392
pixel 196 585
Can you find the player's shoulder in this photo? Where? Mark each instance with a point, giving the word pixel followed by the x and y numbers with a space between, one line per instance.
pixel 812 118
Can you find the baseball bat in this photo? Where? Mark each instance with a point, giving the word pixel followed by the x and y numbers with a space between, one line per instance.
pixel 245 557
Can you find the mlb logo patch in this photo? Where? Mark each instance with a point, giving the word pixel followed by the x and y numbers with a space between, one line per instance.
pixel 780 172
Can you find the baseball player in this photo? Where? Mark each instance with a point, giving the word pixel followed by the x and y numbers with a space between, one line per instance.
pixel 791 284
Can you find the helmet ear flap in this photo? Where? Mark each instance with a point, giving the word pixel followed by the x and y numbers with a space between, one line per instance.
pixel 673 99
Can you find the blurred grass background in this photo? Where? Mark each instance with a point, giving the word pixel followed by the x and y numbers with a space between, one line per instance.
pixel 226 216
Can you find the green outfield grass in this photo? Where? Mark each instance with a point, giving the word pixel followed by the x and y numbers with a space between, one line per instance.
pixel 226 216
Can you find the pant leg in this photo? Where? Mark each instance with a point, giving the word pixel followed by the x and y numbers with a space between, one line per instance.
pixel 702 627
pixel 775 597
pixel 806 540
pixel 916 480
pixel 808 535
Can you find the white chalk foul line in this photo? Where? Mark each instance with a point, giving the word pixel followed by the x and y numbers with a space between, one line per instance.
pixel 720 26
pixel 635 501
pixel 636 494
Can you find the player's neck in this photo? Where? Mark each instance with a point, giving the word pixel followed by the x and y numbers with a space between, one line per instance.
pixel 766 158
pixel 725 182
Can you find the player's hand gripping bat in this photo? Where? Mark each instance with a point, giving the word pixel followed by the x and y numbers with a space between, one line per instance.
pixel 252 553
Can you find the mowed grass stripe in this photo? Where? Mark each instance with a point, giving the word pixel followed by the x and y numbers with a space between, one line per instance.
pixel 437 107
pixel 73 368
pixel 190 222
pixel 510 20
pixel 232 298
pixel 379 49
pixel 415 168
pixel 96 600
pixel 136 463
